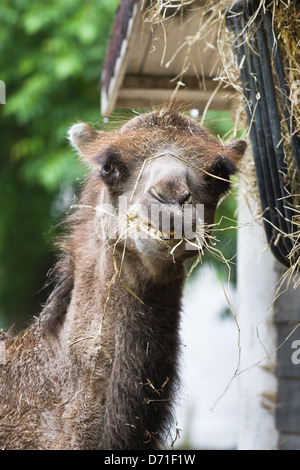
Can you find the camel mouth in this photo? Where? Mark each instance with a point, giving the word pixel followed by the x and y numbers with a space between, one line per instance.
pixel 164 235
pixel 147 228
pixel 165 225
pixel 166 245
pixel 171 239
pixel 156 233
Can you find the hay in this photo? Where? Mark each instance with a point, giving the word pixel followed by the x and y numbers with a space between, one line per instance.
pixel 287 29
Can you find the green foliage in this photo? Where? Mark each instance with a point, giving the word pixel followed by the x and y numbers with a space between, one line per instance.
pixel 51 54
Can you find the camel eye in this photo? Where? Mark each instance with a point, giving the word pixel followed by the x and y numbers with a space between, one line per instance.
pixel 108 168
pixel 112 169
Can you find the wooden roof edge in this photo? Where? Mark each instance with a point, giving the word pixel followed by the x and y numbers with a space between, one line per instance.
pixel 116 58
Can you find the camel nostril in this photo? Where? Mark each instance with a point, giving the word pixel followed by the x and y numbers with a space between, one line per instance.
pixel 186 198
pixel 173 197
pixel 158 196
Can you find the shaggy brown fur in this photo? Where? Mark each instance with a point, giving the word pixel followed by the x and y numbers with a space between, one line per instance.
pixel 98 370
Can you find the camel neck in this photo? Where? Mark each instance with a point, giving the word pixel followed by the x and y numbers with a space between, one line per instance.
pixel 124 331
pixel 142 340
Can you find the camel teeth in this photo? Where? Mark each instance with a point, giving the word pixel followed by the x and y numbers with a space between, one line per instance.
pixel 152 232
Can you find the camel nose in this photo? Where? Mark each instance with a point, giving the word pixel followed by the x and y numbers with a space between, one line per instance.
pixel 171 192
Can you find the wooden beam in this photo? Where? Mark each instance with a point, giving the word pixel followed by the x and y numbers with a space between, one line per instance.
pixel 108 97
pixel 144 91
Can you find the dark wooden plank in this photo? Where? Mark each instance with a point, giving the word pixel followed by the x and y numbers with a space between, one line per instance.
pixel 289 442
pixel 117 36
pixel 287 306
pixel 288 406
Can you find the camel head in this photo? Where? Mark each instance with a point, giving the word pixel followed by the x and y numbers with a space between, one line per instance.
pixel 157 180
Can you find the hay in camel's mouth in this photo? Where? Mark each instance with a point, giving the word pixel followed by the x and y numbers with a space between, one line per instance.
pixel 154 233
pixel 140 228
pixel 145 229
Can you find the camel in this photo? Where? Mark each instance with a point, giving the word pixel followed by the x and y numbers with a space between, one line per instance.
pixel 98 368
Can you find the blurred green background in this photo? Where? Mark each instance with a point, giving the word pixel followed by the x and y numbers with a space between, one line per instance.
pixel 51 54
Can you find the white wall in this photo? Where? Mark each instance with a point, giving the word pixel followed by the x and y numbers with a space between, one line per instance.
pixel 257 278
pixel 209 360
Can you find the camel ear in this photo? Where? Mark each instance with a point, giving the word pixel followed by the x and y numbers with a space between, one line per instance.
pixel 81 135
pixel 236 149
pixel 226 165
